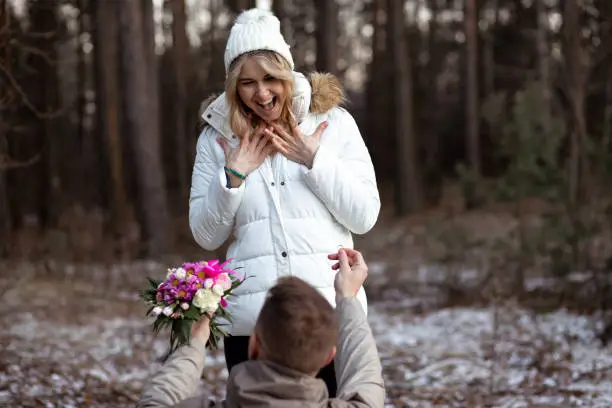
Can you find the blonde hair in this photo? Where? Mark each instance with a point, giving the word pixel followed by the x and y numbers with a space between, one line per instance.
pixel 277 67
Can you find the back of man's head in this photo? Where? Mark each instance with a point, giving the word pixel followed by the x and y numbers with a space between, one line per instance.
pixel 297 327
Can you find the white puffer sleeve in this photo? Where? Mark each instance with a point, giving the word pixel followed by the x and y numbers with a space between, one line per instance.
pixel 212 206
pixel 344 178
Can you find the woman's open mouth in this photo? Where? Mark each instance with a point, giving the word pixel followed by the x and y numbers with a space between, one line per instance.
pixel 269 105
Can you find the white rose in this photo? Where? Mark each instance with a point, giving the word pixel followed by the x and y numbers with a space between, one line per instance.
pixel 168 310
pixel 206 300
pixel 218 289
pixel 157 310
pixel 180 273
pixel 185 306
pixel 208 283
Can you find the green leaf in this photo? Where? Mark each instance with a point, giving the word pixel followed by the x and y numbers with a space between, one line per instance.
pixel 216 334
pixel 162 322
pixel 179 335
pixel 153 282
pixel 185 327
pixel 193 313
pixel 148 294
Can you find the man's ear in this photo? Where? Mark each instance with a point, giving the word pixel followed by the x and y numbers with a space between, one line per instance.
pixel 253 347
pixel 330 357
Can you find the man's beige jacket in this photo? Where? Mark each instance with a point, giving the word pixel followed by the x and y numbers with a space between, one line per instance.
pixel 260 383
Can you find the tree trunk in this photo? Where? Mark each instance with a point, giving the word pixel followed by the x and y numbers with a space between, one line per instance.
pixel 5 214
pixel 409 191
pixel 472 116
pixel 238 6
pixel 87 144
pixel 215 72
pixel 180 53
pixel 145 132
pixel 109 100
pixel 489 53
pixel 152 70
pixel 278 8
pixel 379 108
pixel 44 19
pixel 577 66
pixel 430 103
pixel 5 209
pixel 148 26
pixel 607 133
pixel 544 64
pixel 81 82
pixel 327 36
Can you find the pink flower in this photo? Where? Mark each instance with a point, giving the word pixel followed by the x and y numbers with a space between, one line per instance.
pixel 190 289
pixel 170 295
pixel 224 281
pixel 189 268
pixel 223 302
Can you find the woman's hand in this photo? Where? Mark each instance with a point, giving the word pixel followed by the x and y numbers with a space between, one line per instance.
pixel 248 155
pixel 296 146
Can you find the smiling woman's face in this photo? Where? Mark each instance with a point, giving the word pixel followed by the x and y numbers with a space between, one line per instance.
pixel 262 93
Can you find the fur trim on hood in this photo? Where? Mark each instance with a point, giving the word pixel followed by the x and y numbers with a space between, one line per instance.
pixel 325 93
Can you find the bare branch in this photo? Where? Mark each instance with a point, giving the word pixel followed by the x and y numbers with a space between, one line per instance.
pixel 5 27
pixel 41 35
pixel 6 163
pixel 33 50
pixel 26 100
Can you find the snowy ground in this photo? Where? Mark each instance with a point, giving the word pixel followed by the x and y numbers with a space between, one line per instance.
pixel 84 343
pixel 454 357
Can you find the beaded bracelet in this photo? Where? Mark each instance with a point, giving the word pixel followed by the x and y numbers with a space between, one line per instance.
pixel 235 173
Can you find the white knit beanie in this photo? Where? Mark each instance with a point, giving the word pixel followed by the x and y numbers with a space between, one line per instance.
pixel 255 30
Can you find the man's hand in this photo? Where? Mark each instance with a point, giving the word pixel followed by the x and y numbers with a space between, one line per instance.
pixel 201 329
pixel 352 272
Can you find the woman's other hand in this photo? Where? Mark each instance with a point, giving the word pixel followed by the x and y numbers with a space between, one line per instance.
pixel 296 146
pixel 254 147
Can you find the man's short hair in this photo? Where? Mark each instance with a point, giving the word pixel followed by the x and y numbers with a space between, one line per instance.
pixel 297 327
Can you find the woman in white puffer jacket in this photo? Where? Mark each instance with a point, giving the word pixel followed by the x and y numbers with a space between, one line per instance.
pixel 282 169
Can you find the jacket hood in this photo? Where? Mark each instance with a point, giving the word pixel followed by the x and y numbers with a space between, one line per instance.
pixel 316 94
pixel 260 383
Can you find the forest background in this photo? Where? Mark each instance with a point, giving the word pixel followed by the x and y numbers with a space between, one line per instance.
pixel 489 123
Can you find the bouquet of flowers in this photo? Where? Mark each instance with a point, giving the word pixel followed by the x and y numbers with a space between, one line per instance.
pixel 188 292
